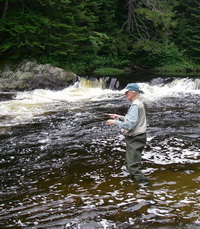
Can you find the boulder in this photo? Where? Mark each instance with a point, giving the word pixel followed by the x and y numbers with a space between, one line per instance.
pixel 30 75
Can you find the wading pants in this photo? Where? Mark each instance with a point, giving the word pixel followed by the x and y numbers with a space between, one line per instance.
pixel 134 148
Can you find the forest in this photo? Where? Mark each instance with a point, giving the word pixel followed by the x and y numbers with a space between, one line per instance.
pixel 84 35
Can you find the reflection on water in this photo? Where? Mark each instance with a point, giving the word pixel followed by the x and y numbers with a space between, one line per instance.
pixel 63 167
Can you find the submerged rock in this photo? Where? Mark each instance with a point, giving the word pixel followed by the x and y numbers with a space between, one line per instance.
pixel 30 75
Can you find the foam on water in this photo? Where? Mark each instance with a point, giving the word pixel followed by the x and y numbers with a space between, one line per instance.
pixel 28 105
pixel 77 92
pixel 176 88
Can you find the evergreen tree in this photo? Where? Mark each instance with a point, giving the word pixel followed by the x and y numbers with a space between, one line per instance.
pixel 187 36
pixel 150 19
pixel 18 29
pixel 86 34
pixel 57 29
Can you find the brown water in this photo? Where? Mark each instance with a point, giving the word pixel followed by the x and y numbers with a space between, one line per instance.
pixel 63 167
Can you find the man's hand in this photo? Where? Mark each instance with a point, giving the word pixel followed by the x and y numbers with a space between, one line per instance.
pixel 110 122
pixel 113 115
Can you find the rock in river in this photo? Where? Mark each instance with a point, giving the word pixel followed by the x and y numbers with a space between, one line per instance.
pixel 29 75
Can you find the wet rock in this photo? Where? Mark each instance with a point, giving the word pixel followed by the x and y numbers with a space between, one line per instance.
pixel 30 75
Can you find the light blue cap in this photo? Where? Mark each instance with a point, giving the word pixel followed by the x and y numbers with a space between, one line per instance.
pixel 132 87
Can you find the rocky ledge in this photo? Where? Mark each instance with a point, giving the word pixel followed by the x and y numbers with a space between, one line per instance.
pixel 30 75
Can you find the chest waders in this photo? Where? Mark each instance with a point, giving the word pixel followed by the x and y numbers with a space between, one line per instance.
pixel 134 148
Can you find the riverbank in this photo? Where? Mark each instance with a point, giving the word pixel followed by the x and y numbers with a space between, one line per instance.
pixel 30 75
pixel 168 69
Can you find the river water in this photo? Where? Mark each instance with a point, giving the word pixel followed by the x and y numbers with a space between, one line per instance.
pixel 61 166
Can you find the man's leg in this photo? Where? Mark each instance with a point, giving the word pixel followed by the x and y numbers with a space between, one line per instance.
pixel 134 148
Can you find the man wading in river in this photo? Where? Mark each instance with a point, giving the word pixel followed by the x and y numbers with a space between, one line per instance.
pixel 133 126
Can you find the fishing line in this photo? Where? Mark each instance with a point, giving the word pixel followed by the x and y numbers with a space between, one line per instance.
pixel 60 100
pixel 46 97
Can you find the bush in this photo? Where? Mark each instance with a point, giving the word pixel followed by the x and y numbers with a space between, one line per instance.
pixel 154 54
pixel 108 71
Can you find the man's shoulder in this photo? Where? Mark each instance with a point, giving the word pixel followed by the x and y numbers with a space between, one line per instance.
pixel 137 102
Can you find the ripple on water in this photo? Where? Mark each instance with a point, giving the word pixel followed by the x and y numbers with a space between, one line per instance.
pixel 65 169
pixel 172 150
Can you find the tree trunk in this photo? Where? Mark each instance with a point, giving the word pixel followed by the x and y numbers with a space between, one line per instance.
pixel 131 4
pixel 5 9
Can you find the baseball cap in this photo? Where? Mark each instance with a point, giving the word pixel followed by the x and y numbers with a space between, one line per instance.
pixel 133 87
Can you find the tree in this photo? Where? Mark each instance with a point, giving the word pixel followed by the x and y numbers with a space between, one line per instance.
pixel 85 34
pixel 150 19
pixel 187 36
pixel 56 29
pixel 5 9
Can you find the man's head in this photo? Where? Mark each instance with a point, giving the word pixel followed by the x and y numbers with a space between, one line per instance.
pixel 132 90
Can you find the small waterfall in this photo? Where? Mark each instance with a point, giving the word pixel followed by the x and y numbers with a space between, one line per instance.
pixel 103 82
pixel 167 85
pixel 92 82
pixel 114 83
pixel 186 84
pixel 197 81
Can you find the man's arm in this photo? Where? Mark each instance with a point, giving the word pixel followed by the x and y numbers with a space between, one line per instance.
pixel 130 120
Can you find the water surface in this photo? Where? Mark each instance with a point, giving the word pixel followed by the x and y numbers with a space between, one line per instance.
pixel 63 167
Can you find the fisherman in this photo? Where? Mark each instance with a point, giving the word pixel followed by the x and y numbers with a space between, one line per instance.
pixel 133 126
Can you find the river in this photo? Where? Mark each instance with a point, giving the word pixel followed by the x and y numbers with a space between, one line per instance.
pixel 61 166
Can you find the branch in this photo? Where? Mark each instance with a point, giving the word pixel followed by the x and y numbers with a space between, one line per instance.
pixel 135 21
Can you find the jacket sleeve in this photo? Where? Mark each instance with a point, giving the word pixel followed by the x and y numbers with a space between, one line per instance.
pixel 121 118
pixel 130 120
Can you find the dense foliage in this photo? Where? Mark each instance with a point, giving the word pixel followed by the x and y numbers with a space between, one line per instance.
pixel 82 35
